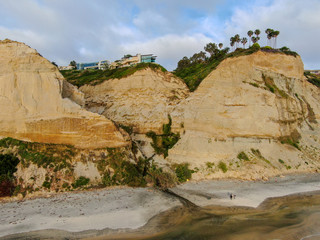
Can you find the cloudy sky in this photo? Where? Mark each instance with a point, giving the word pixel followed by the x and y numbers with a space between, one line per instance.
pixel 84 31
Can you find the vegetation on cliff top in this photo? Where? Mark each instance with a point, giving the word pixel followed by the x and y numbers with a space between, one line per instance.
pixel 312 78
pixel 194 69
pixel 96 76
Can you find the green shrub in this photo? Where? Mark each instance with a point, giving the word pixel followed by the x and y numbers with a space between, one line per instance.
pixel 287 51
pixel 256 152
pixel 243 156
pixel 271 89
pixel 8 164
pixel 128 129
pixel 266 48
pixel 80 182
pixel 290 141
pixel 254 84
pixel 46 184
pixel 255 46
pixel 162 143
pixel 223 166
pixel 106 180
pixel 159 178
pixel 281 161
pixel 183 172
pixel 209 164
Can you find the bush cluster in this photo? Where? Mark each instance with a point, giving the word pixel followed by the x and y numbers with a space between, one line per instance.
pixel 183 172
pixel 243 156
pixel 96 76
pixel 162 143
pixel 80 182
pixel 223 166
pixel 8 166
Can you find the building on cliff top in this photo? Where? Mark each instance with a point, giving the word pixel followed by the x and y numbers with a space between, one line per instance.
pixel 317 72
pixel 94 65
pixel 128 60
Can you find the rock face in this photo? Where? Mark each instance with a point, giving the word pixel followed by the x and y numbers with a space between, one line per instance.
pixel 250 103
pixel 142 100
pixel 33 106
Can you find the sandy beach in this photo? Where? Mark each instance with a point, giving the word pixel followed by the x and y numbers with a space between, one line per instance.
pixel 126 209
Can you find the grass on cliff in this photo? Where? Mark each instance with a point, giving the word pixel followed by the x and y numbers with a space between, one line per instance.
pixel 41 154
pixel 118 169
pixel 53 157
pixel 165 141
pixel 312 78
pixel 193 71
pixel 96 76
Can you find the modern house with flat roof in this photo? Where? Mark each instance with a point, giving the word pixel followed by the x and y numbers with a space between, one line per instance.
pixel 94 65
pixel 128 60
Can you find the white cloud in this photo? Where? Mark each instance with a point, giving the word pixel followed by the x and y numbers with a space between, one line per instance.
pixel 65 30
pixel 297 21
pixel 170 48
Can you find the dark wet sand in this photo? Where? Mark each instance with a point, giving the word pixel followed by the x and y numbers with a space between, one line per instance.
pixel 291 217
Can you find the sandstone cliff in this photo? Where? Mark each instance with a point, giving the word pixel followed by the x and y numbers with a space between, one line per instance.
pixel 142 100
pixel 247 116
pixel 34 106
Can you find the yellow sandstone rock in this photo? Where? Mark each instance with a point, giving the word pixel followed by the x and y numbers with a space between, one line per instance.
pixel 34 106
pixel 250 102
pixel 142 100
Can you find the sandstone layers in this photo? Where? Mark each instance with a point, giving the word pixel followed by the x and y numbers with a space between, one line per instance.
pixel 34 106
pixel 250 104
pixel 142 100
pixel 259 104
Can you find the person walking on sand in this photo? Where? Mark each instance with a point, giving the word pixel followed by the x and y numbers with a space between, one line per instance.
pixel 231 196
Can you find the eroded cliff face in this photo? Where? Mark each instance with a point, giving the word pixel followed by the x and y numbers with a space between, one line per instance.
pixel 254 104
pixel 35 107
pixel 142 100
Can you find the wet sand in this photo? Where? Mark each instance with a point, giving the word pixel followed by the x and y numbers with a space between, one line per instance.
pixel 142 213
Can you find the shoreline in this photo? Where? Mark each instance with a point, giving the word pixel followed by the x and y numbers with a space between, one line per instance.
pixel 129 209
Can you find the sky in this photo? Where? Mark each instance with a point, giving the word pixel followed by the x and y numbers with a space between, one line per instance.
pixel 86 31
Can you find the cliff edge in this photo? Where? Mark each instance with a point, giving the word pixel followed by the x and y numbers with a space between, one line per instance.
pixel 254 116
pixel 34 106
pixel 142 100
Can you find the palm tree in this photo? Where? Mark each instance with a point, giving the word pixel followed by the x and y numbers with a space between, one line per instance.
pixel 257 32
pixel 244 42
pixel 254 40
pixel 269 35
pixel 237 39
pixel 250 33
pixel 232 41
pixel 275 34
pixel 220 45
